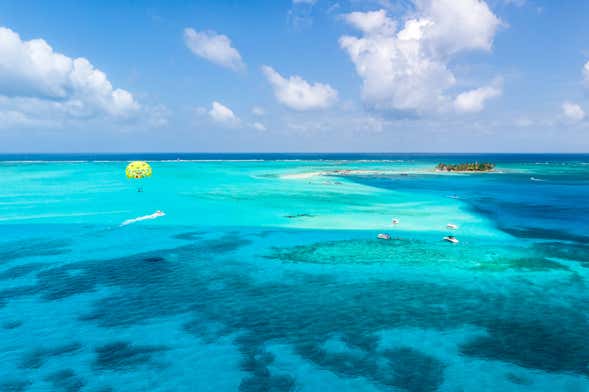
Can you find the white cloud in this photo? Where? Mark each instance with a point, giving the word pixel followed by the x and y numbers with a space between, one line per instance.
pixel 586 74
pixel 474 100
pixel 407 69
pixel 221 114
pixel 214 47
pixel 259 126
pixel 572 112
pixel 35 80
pixel 371 22
pixel 298 94
pixel 258 111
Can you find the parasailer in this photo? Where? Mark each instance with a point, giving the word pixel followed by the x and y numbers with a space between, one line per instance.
pixel 138 170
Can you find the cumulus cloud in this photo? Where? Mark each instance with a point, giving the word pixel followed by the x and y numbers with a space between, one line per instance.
pixel 221 114
pixel 374 22
pixel 474 100
pixel 298 94
pixel 258 111
pixel 214 47
pixel 259 126
pixel 34 79
pixel 572 112
pixel 586 74
pixel 407 69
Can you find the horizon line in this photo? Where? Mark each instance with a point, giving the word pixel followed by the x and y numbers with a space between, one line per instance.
pixel 298 153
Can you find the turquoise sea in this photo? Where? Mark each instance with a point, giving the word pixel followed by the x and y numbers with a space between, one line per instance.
pixel 265 273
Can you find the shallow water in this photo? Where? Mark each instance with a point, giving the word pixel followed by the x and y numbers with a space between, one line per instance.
pixel 265 274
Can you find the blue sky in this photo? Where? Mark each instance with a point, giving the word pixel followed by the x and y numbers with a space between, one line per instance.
pixel 304 75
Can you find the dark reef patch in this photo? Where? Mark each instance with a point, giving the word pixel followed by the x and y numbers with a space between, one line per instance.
pixel 206 330
pixel 532 263
pixel 14 250
pixel 12 324
pixel 537 345
pixel 103 389
pixel 21 270
pixel 256 363
pixel 354 251
pixel 576 251
pixel 545 234
pixel 125 355
pixel 415 371
pixel 17 292
pixel 403 367
pixel 226 244
pixel 303 311
pixel 190 235
pixel 413 252
pixel 14 385
pixel 66 380
pixel 36 358
pixel 269 383
pixel 154 259
pixel 517 379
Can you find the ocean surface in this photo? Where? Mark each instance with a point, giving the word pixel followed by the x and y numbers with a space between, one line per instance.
pixel 265 273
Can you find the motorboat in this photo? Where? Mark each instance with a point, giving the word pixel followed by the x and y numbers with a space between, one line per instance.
pixel 451 239
pixel 383 236
pixel 395 221
pixel 451 226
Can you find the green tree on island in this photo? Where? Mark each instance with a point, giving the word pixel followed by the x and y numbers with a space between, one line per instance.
pixel 468 166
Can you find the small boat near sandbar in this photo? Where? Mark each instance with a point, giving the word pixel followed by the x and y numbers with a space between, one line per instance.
pixel 383 236
pixel 451 239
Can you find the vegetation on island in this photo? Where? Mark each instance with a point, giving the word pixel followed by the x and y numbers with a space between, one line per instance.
pixel 466 167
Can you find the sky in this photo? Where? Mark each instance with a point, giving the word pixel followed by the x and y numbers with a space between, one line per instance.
pixel 294 76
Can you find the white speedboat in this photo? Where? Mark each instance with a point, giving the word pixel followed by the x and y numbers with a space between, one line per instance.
pixel 395 221
pixel 383 236
pixel 451 226
pixel 451 239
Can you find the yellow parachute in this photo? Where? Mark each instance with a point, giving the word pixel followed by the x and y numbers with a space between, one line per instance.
pixel 138 169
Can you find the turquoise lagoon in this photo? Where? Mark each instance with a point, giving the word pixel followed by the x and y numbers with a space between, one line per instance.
pixel 265 274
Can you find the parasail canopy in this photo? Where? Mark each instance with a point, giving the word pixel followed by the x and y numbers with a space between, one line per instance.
pixel 138 169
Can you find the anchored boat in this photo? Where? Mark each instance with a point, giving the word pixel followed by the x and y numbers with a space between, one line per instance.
pixel 451 239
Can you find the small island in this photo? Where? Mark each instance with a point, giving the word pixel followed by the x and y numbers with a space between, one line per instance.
pixel 466 167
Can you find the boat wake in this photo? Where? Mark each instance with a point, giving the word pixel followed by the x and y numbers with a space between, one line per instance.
pixel 536 179
pixel 155 215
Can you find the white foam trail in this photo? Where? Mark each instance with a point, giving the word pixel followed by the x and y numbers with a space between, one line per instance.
pixel 155 215
pixel 536 179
